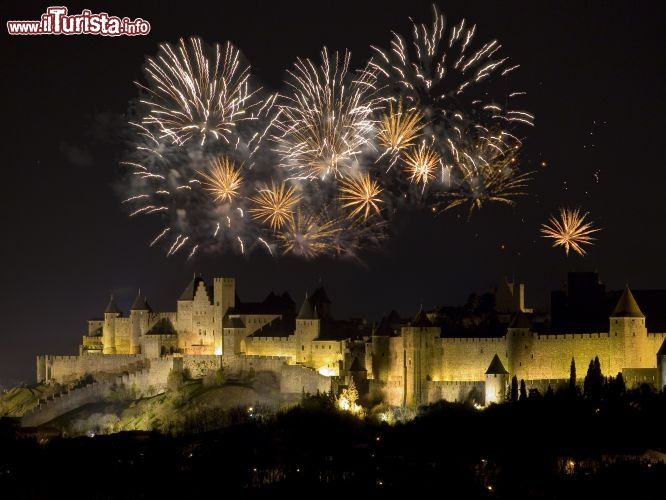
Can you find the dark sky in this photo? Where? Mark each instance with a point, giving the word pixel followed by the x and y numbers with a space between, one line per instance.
pixel 593 72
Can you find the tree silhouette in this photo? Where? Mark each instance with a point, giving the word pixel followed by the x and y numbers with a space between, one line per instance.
pixel 514 389
pixel 523 390
pixel 594 381
pixel 572 377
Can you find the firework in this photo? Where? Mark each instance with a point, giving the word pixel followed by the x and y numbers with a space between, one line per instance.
pixel 326 121
pixel 488 172
pixel 570 230
pixel 435 69
pixel 224 180
pixel 399 129
pixel 421 164
pixel 191 96
pixel 310 236
pixel 275 205
pixel 361 195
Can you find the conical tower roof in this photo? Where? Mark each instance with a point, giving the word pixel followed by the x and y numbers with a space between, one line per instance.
pixel 627 307
pixel 140 303
pixel 496 367
pixel 520 320
pixel 191 288
pixel 112 307
pixel 421 319
pixel 306 311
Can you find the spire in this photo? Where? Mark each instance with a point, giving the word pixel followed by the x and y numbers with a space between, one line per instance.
pixel 306 311
pixel 140 303
pixel 112 308
pixel 496 367
pixel 627 307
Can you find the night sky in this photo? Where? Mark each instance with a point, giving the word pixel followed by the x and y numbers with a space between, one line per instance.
pixel 593 73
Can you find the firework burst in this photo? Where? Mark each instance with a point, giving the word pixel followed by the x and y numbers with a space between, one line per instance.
pixel 326 121
pixel 435 69
pixel 400 128
pixel 421 164
pixel 224 180
pixel 275 205
pixel 191 96
pixel 310 236
pixel 360 194
pixel 488 172
pixel 570 230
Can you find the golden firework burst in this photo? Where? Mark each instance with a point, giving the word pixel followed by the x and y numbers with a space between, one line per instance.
pixel 570 230
pixel 421 164
pixel 399 129
pixel 224 180
pixel 487 169
pixel 309 235
pixel 361 195
pixel 275 205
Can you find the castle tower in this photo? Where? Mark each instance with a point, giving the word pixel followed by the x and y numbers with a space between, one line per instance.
pixel 184 305
pixel 139 319
pixel 359 375
pixel 419 344
pixel 520 345
pixel 628 336
pixel 379 365
pixel 224 298
pixel 109 328
pixel 496 381
pixel 308 327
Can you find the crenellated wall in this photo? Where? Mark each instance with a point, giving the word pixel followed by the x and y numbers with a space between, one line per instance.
pixel 270 346
pixel 295 379
pixel 142 383
pixel 467 359
pixel 455 391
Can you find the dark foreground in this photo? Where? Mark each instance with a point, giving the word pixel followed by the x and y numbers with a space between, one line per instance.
pixel 547 447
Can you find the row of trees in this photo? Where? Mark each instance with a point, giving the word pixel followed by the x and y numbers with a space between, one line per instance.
pixel 596 386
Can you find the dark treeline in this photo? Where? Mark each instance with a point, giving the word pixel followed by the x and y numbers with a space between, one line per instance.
pixel 543 446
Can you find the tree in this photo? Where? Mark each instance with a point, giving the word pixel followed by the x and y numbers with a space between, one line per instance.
pixel 594 381
pixel 514 389
pixel 523 390
pixel 572 377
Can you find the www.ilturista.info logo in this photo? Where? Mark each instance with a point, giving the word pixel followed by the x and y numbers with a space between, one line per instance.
pixel 56 22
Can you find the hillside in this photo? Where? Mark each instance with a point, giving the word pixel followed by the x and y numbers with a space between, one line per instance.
pixel 187 406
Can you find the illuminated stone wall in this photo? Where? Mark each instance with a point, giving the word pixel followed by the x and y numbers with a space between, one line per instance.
pixel 270 346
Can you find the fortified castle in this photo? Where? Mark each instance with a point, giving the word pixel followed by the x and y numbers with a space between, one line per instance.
pixel 401 362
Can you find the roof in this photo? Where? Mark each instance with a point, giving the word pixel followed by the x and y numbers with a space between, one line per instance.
pixel 232 322
pixel 421 319
pixel 627 307
pixel 520 320
pixel 272 304
pixel 164 326
pixel 343 329
pixel 140 303
pixel 191 288
pixel 496 367
pixel 111 307
pixel 279 327
pixel 319 296
pixel 306 311
pixel 386 328
pixel 357 366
